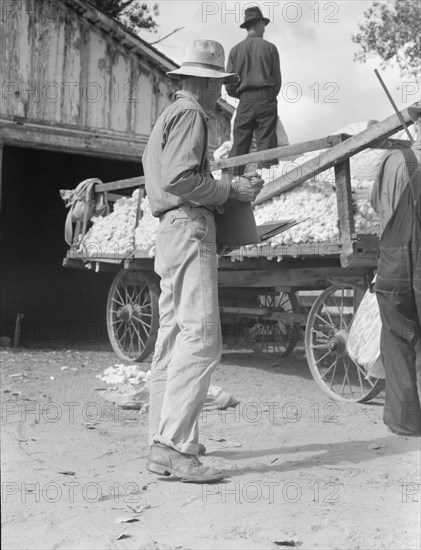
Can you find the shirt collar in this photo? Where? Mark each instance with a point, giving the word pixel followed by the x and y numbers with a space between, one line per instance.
pixel 190 97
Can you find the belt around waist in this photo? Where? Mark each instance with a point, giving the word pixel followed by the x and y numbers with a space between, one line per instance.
pixel 266 92
pixel 185 207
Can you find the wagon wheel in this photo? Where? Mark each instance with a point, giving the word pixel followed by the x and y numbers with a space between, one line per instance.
pixel 326 337
pixel 132 314
pixel 274 338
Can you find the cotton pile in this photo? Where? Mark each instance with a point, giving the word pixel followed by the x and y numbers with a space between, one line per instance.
pixel 315 199
pixel 116 234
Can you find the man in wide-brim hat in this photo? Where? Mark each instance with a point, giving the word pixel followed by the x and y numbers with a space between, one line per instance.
pixel 397 198
pixel 252 15
pixel 256 61
pixel 183 194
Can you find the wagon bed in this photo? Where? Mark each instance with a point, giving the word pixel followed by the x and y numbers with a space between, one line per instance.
pixel 268 292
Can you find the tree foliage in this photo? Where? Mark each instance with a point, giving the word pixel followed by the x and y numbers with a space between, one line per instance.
pixel 391 30
pixel 133 14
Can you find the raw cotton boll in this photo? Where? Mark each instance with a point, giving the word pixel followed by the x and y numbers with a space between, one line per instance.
pixel 120 375
pixel 314 199
pixel 147 228
pixel 112 234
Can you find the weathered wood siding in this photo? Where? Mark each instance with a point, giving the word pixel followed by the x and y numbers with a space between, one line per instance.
pixel 60 69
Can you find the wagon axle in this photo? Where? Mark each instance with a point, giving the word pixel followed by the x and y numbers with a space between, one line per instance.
pixel 129 312
pixel 339 342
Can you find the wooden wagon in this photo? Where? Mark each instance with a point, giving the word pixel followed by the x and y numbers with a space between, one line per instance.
pixel 268 293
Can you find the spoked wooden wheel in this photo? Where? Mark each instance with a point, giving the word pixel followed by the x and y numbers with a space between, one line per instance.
pixel 277 337
pixel 326 338
pixel 132 314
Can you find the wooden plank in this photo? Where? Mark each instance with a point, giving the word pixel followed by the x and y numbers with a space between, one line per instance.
pixel 47 64
pixel 95 82
pixel 279 152
pixel 367 260
pixel 366 242
pixel 248 311
pixel 389 143
pixel 298 250
pixel 121 93
pixel 143 117
pixel 113 258
pixel 137 181
pixel 72 67
pixel 296 278
pixel 333 156
pixel 344 203
pixel 112 197
pixel 142 263
pixel 82 264
pixel 15 64
pixel 364 252
pixel 78 141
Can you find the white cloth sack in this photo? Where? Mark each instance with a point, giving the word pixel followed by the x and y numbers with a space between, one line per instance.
pixel 363 344
pixel 129 396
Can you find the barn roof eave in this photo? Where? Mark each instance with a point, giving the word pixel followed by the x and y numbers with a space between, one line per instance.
pixel 117 31
pixel 130 41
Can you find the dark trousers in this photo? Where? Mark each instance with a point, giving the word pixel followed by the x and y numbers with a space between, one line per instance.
pixel 257 112
pixel 398 290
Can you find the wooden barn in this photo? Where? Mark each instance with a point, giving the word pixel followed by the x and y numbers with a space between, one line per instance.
pixel 80 95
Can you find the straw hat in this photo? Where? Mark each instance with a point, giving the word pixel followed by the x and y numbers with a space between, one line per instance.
pixel 205 59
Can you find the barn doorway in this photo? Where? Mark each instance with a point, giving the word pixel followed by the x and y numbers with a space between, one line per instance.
pixel 61 307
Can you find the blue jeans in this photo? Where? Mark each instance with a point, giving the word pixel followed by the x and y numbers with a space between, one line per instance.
pixel 189 342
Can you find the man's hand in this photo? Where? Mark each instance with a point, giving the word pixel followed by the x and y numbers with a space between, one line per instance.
pixel 245 189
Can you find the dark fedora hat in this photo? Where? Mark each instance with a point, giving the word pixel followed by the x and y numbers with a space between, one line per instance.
pixel 253 14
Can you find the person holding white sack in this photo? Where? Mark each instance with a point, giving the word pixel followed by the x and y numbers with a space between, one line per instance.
pixel 396 196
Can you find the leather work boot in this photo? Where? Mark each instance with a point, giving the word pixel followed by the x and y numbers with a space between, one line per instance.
pixel 165 461
pixel 202 449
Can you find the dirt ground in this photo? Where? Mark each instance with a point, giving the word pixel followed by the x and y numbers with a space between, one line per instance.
pixel 302 471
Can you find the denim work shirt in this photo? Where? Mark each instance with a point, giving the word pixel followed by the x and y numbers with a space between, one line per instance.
pixel 391 180
pixel 175 159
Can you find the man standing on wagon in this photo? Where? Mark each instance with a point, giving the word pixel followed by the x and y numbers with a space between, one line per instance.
pixel 396 197
pixel 183 194
pixel 256 61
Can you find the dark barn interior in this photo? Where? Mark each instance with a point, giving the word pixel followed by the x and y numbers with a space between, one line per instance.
pixel 60 306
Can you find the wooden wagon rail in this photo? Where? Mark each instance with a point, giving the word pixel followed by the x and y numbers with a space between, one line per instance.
pixel 338 154
pixel 339 150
